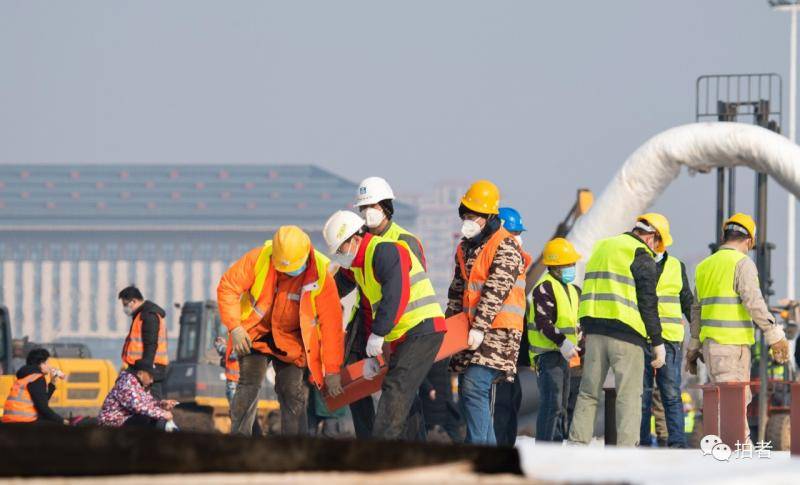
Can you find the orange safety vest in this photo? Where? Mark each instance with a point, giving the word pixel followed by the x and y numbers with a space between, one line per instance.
pixel 512 313
pixel 134 347
pixel 231 365
pixel 19 406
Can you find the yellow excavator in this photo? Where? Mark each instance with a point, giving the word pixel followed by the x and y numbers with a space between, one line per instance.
pixel 86 383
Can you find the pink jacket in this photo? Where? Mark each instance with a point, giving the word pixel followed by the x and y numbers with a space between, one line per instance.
pixel 127 398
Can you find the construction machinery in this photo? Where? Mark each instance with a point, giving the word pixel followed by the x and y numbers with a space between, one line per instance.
pixel 87 381
pixel 196 378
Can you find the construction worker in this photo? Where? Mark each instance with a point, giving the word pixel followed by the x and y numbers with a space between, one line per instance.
pixel 374 200
pixel 508 395
pixel 129 403
pixel 489 286
pixel 29 398
pixel 147 337
pixel 674 301
pixel 553 335
pixel 618 312
pixel 405 313
pixel 727 301
pixel 280 306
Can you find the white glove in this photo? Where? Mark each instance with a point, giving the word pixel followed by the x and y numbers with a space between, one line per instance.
pixel 374 345
pixel 659 356
pixel 170 426
pixel 371 368
pixel 475 339
pixel 568 349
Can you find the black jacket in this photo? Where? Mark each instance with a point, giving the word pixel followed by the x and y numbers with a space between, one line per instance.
pixel 40 393
pixel 645 274
pixel 150 321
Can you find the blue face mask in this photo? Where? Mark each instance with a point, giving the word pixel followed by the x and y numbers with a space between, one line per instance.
pixel 298 271
pixel 568 274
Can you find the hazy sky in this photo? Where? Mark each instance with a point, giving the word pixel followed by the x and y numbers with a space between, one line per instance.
pixel 540 96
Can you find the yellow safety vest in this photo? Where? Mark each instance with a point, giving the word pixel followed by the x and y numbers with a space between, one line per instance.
pixel 394 232
pixel 669 302
pixel 422 302
pixel 566 317
pixel 723 318
pixel 609 290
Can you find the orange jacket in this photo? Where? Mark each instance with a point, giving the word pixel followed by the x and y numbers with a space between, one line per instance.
pixel 319 344
pixel 512 313
pixel 19 406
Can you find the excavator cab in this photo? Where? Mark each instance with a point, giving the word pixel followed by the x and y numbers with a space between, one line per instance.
pixel 196 377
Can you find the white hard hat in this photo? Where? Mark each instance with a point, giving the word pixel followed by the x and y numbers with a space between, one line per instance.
pixel 339 227
pixel 373 190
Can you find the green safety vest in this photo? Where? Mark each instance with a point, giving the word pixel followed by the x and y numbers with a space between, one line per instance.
pixel 566 317
pixel 723 318
pixel 609 290
pixel 669 302
pixel 422 302
pixel 394 232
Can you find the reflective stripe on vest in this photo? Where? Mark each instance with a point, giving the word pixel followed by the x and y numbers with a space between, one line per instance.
pixel 134 346
pixel 668 290
pixel 723 318
pixel 422 301
pixel 231 365
pixel 512 312
pixel 609 290
pixel 394 231
pixel 566 317
pixel 19 406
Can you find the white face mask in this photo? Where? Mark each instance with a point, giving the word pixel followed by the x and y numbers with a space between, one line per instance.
pixel 519 240
pixel 345 260
pixel 127 310
pixel 658 257
pixel 373 216
pixel 470 229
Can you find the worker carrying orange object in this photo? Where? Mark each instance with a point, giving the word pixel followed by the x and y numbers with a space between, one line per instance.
pixel 280 305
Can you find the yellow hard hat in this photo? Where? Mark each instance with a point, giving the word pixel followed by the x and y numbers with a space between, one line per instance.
pixel 744 221
pixel 290 248
pixel 482 197
pixel 559 252
pixel 661 225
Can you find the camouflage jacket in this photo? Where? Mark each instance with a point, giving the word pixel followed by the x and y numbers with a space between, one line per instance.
pixel 500 346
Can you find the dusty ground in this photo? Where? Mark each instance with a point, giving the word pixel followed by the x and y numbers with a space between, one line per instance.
pixel 455 473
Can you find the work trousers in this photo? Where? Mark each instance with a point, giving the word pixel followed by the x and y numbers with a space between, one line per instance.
pixel 554 385
pixel 626 361
pixel 476 389
pixel 728 363
pixel 507 401
pixel 290 387
pixel 409 363
pixel 668 379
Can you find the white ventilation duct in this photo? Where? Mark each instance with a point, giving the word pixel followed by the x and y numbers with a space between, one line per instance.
pixel 700 147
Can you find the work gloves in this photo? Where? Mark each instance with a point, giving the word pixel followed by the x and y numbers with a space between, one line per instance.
pixel 241 341
pixel 693 353
pixel 475 339
pixel 374 345
pixel 569 350
pixel 333 383
pixel 659 356
pixel 371 368
pixel 780 351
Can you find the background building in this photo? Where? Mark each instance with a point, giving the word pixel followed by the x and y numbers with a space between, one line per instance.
pixel 72 236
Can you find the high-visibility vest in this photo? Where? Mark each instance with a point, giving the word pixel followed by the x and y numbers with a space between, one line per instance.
pixel 422 302
pixel 512 313
pixel 723 317
pixel 19 406
pixel 394 231
pixel 231 365
pixel 134 346
pixel 256 302
pixel 669 302
pixel 609 290
pixel 566 317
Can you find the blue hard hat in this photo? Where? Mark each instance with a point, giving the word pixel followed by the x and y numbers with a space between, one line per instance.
pixel 512 221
